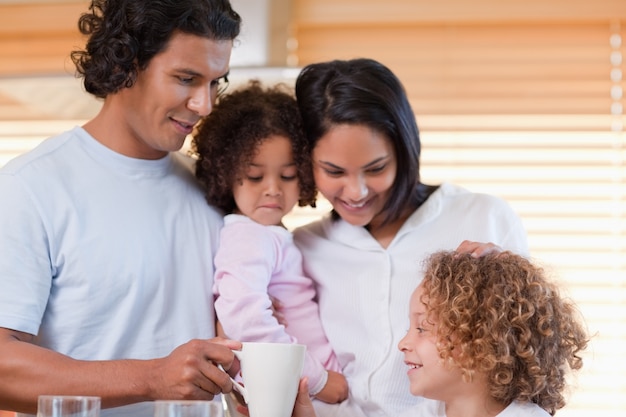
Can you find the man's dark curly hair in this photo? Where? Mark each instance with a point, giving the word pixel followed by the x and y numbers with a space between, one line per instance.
pixel 227 139
pixel 124 35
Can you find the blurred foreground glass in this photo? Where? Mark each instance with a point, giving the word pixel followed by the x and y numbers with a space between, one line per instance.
pixel 188 409
pixel 68 406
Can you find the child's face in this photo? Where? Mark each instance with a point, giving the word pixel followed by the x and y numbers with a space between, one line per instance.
pixel 428 375
pixel 269 185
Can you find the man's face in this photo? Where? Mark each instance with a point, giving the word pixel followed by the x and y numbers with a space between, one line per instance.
pixel 175 90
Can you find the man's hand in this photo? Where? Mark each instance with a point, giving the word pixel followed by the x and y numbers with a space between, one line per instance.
pixel 190 372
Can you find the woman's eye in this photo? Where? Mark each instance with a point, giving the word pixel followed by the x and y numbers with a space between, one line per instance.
pixel 333 173
pixel 376 170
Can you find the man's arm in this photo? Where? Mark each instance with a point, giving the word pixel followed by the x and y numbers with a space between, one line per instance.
pixel 189 372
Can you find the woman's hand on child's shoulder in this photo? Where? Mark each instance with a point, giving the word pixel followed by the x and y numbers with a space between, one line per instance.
pixel 335 390
pixel 478 249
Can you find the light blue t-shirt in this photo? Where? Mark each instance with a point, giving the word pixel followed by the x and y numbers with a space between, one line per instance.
pixel 105 256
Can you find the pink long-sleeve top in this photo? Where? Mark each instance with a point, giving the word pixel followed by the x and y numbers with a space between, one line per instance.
pixel 254 262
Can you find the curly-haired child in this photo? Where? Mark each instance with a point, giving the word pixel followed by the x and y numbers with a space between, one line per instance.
pixel 490 336
pixel 254 164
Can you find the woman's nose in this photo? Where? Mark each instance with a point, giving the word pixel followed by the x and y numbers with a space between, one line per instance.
pixel 356 189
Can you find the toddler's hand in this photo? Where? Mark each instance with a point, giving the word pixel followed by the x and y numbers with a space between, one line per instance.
pixel 335 390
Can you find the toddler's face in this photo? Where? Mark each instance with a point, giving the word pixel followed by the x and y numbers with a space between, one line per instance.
pixel 269 186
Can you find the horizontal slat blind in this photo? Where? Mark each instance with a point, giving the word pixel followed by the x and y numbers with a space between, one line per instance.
pixel 36 37
pixel 526 105
pixel 342 12
pixel 569 189
pixel 481 69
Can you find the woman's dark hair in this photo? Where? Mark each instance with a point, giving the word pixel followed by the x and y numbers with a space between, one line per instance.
pixel 124 35
pixel 227 140
pixel 365 92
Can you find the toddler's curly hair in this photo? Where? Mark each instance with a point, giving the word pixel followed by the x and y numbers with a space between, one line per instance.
pixel 228 138
pixel 498 315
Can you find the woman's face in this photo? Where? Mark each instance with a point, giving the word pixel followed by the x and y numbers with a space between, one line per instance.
pixel 354 168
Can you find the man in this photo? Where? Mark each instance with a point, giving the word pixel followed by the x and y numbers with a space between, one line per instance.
pixel 106 240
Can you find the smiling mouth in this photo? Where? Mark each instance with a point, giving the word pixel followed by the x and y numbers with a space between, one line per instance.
pixel 184 125
pixel 356 206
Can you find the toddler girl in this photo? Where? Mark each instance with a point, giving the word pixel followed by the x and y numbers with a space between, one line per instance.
pixel 254 164
pixel 489 336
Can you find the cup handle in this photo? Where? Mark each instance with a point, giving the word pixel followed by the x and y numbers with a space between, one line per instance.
pixel 236 385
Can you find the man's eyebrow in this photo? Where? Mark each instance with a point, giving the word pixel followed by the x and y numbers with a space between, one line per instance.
pixel 193 73
pixel 189 72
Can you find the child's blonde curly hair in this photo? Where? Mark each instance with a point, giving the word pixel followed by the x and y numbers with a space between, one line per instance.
pixel 498 315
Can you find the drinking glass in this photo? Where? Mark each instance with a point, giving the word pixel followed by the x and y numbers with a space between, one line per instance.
pixel 181 408
pixel 68 406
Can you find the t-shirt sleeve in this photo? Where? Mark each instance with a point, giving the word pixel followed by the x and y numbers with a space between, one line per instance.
pixel 25 267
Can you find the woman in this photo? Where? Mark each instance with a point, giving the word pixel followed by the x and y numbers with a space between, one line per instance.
pixel 365 255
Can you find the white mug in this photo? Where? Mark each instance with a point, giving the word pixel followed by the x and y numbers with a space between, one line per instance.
pixel 68 406
pixel 187 408
pixel 271 374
